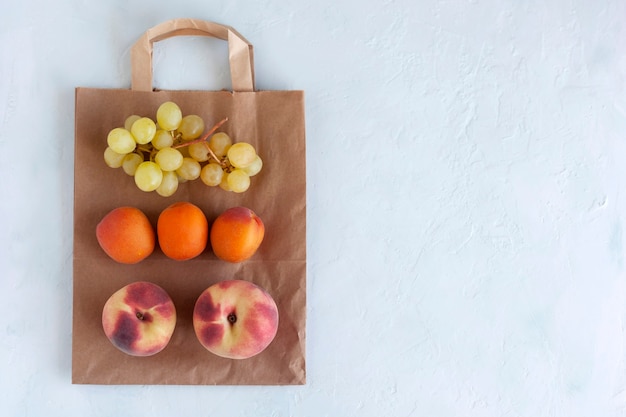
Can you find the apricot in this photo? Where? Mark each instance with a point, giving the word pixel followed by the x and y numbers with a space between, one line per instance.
pixel 182 231
pixel 126 235
pixel 236 234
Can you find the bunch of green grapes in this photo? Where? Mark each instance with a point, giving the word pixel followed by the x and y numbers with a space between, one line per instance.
pixel 163 153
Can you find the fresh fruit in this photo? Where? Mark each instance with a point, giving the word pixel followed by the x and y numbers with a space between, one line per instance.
pixel 182 231
pixel 143 130
pixel 131 162
pixel 169 159
pixel 169 116
pixel 128 123
pixel 191 127
pixel 189 170
pixel 199 151
pixel 224 182
pixel 162 139
pixel 148 176
pixel 241 154
pixel 211 174
pixel 112 158
pixel 235 319
pixel 255 167
pixel 121 141
pixel 139 319
pixel 126 235
pixel 238 180
pixel 236 234
pixel 220 143
pixel 147 149
pixel 168 185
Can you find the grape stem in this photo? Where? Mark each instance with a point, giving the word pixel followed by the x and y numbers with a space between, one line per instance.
pixel 149 150
pixel 204 137
pixel 208 148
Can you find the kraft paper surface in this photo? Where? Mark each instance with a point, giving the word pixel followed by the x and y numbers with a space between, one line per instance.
pixel 273 122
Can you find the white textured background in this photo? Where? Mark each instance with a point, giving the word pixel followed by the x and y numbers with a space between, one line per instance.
pixel 466 168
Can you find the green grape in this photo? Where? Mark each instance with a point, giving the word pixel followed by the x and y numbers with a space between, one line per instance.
pixel 190 169
pixel 143 130
pixel 191 127
pixel 220 143
pixel 169 159
pixel 128 123
pixel 238 181
pixel 241 154
pixel 212 174
pixel 162 139
pixel 148 176
pixel 112 158
pixel 131 162
pixel 199 151
pixel 169 116
pixel 121 141
pixel 224 183
pixel 169 184
pixel 255 167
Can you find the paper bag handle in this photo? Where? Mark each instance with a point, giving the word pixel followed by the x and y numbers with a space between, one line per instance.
pixel 240 53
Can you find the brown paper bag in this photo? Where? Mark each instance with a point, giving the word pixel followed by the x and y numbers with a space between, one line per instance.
pixel 272 121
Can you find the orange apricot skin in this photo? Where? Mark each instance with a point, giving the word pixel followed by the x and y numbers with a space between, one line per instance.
pixel 182 231
pixel 236 234
pixel 126 235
